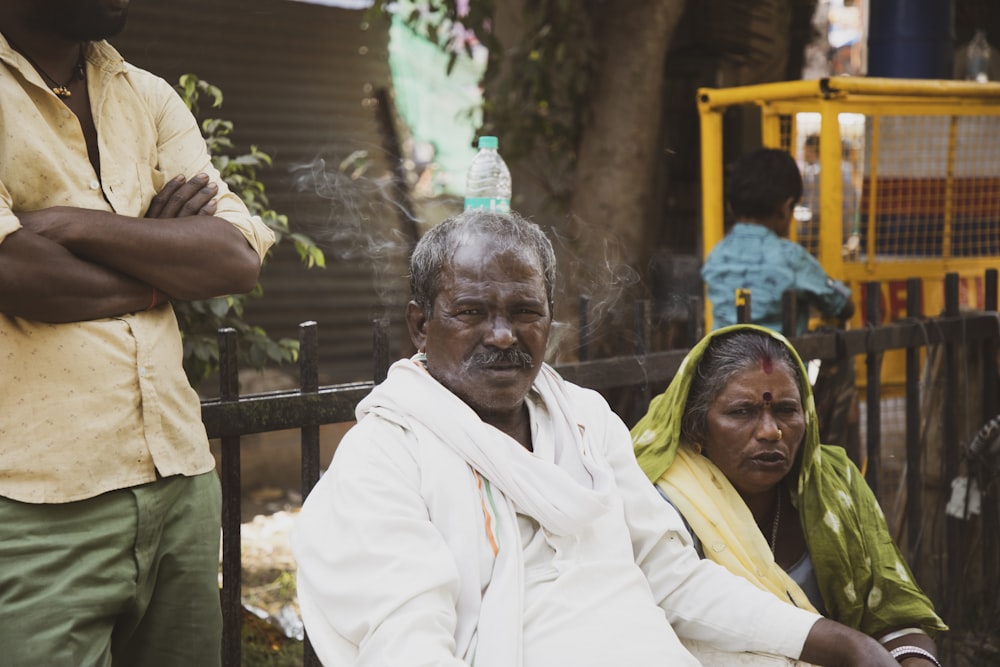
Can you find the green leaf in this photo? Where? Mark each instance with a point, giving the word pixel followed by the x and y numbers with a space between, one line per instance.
pixel 218 307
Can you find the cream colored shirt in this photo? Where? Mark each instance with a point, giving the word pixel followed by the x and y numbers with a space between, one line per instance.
pixel 93 406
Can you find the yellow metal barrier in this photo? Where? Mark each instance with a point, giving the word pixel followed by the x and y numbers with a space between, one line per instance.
pixel 908 180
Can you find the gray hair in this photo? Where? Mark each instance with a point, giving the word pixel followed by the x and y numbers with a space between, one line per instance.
pixel 726 357
pixel 437 247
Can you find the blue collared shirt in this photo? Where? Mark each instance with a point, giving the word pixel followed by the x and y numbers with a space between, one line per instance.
pixel 753 257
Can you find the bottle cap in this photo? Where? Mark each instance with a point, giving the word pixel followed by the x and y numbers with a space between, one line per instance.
pixel 488 142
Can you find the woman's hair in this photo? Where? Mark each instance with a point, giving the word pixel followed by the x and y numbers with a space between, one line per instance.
pixel 437 247
pixel 726 357
pixel 758 183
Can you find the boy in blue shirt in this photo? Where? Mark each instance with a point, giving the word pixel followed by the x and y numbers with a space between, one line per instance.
pixel 762 189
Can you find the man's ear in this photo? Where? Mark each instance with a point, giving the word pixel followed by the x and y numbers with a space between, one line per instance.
pixel 416 323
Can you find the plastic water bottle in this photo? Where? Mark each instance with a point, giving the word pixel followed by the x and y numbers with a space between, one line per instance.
pixel 977 58
pixel 488 183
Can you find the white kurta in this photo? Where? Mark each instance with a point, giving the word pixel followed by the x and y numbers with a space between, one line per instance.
pixel 394 555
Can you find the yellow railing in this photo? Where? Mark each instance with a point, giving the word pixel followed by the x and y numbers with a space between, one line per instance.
pixel 923 157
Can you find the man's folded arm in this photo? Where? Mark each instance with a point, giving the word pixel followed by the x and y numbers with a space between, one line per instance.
pixel 191 257
pixel 40 280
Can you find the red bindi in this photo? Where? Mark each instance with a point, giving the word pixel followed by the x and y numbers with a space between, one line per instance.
pixel 767 365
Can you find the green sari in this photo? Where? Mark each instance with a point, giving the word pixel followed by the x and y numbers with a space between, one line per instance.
pixel 863 579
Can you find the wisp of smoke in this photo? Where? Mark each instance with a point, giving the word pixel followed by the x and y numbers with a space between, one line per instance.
pixel 354 217
pixel 361 211
pixel 604 282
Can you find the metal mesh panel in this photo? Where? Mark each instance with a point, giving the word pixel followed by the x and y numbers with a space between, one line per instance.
pixel 920 186
pixel 805 147
pixel 930 187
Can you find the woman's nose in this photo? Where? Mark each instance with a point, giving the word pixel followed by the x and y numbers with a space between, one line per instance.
pixel 768 428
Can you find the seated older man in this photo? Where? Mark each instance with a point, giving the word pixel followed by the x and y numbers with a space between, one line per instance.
pixel 485 511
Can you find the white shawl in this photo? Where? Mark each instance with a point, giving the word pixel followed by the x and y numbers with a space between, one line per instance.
pixel 563 497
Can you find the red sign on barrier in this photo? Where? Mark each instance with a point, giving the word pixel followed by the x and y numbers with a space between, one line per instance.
pixel 892 300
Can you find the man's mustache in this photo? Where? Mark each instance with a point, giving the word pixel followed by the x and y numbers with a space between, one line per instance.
pixel 508 357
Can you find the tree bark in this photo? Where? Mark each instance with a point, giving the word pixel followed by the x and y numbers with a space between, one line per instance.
pixel 609 227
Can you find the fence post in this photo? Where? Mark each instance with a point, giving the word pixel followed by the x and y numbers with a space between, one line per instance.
pixel 743 309
pixel 641 335
pixel 232 559
pixel 991 515
pixel 951 441
pixel 990 377
pixel 990 289
pixel 309 384
pixel 641 326
pixel 380 350
pixel 583 340
pixel 696 315
pixel 309 435
pixel 914 460
pixel 790 313
pixel 873 392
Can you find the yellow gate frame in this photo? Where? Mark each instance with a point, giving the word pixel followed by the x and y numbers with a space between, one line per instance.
pixel 875 98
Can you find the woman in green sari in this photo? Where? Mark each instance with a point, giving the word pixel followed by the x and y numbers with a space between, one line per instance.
pixel 733 444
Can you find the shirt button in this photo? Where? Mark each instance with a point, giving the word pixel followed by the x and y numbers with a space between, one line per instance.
pixel 142 371
pixel 65 113
pixel 94 185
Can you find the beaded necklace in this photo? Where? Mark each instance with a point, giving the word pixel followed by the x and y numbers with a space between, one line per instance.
pixel 774 524
pixel 60 89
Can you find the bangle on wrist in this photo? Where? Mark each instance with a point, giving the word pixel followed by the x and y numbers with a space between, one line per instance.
pixel 155 300
pixel 901 653
pixel 885 639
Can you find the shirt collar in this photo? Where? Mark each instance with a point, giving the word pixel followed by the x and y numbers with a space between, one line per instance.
pixel 100 54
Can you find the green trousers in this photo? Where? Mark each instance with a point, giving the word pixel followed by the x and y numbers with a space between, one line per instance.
pixel 128 578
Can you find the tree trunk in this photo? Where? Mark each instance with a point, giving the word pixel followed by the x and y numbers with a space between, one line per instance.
pixel 610 227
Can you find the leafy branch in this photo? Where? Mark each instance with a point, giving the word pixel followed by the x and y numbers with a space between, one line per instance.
pixel 200 320
pixel 536 91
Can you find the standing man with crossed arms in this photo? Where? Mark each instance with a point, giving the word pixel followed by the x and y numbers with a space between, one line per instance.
pixel 109 209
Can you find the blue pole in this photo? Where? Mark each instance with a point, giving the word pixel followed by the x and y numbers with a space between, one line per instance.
pixel 911 39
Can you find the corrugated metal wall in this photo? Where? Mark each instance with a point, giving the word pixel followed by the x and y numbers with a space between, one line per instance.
pixel 299 82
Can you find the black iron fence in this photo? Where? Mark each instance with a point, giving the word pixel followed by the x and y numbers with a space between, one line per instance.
pixel 970 546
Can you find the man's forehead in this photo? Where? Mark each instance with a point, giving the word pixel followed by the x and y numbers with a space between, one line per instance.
pixel 491 258
pixel 487 243
pixel 496 283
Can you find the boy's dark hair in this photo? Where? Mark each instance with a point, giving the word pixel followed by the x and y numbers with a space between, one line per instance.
pixel 758 183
